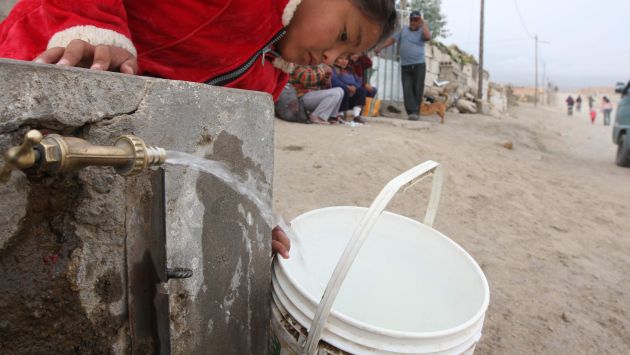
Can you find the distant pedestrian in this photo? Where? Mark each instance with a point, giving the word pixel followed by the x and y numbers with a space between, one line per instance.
pixel 570 102
pixel 593 115
pixel 606 109
pixel 578 103
pixel 591 101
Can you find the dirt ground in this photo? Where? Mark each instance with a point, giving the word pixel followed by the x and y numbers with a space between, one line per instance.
pixel 548 221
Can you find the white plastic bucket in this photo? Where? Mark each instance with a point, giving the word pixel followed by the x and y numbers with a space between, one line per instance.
pixel 410 289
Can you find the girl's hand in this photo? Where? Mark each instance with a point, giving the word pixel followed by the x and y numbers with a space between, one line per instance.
pixel 280 243
pixel 80 53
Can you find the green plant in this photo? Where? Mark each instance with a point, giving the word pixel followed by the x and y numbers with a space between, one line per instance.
pixel 432 13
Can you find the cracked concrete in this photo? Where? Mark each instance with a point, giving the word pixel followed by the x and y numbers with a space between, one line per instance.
pixel 64 99
pixel 64 239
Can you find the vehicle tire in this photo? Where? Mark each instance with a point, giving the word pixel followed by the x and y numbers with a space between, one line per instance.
pixel 623 151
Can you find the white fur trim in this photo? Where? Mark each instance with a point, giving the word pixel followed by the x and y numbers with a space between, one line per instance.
pixel 289 11
pixel 283 65
pixel 93 35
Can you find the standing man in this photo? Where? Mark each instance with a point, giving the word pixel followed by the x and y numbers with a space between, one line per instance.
pixel 412 63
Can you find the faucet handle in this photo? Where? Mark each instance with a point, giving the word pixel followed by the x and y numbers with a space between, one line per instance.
pixel 22 156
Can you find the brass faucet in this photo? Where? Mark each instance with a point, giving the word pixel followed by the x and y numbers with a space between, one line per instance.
pixel 54 153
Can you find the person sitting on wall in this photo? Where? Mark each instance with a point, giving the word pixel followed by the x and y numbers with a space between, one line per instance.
pixel 354 91
pixel 313 85
pixel 361 64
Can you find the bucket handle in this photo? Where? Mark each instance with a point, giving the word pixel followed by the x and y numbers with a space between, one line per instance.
pixel 406 179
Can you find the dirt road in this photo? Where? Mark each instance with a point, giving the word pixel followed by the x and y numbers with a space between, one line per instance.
pixel 548 221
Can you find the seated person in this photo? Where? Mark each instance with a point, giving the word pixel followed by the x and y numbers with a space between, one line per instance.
pixel 354 91
pixel 360 64
pixel 313 86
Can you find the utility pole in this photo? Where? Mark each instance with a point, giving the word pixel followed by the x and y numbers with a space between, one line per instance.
pixel 545 97
pixel 480 80
pixel 536 60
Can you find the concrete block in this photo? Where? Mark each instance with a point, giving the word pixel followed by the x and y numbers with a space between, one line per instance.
pixel 64 238
pixel 5 7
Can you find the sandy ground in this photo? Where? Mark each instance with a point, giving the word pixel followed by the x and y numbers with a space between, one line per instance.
pixel 547 221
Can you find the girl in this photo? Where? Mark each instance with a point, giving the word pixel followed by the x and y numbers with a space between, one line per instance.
pixel 593 115
pixel 236 43
pixel 354 91
pixel 361 65
pixel 243 44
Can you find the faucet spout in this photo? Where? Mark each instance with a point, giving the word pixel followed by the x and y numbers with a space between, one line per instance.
pixel 54 153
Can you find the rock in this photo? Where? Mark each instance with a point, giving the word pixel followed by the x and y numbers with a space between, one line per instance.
pixel 432 91
pixel 453 110
pixel 508 145
pixel 452 87
pixel 469 96
pixel 466 106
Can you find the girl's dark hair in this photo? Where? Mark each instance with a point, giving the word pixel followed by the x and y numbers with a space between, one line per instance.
pixel 381 11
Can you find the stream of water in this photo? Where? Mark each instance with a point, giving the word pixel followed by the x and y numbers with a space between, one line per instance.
pixel 220 170
pixel 246 188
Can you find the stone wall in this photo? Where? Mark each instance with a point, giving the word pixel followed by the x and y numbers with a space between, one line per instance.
pixel 68 242
pixel 441 65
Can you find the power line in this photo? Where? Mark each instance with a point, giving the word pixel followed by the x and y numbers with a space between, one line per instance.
pixel 536 40
pixel 496 41
pixel 518 10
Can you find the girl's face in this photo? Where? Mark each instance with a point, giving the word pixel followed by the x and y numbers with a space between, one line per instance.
pixel 342 62
pixel 322 30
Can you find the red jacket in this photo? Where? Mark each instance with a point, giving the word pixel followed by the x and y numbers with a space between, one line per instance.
pixel 192 40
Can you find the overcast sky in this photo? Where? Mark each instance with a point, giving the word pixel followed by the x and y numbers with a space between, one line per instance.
pixel 589 40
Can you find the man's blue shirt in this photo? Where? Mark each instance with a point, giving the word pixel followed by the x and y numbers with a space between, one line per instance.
pixel 411 46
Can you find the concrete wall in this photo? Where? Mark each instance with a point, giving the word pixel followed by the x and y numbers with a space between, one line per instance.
pixel 67 241
pixel 5 7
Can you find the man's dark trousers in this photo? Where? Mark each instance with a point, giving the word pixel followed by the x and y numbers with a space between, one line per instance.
pixel 413 86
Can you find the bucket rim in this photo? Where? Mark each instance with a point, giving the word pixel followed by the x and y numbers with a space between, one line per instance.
pixel 479 315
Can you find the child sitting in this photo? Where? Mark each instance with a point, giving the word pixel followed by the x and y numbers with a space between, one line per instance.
pixel 354 91
pixel 361 65
pixel 313 86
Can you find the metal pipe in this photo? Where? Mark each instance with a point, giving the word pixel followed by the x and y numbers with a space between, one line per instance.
pixel 129 155
pixel 391 71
